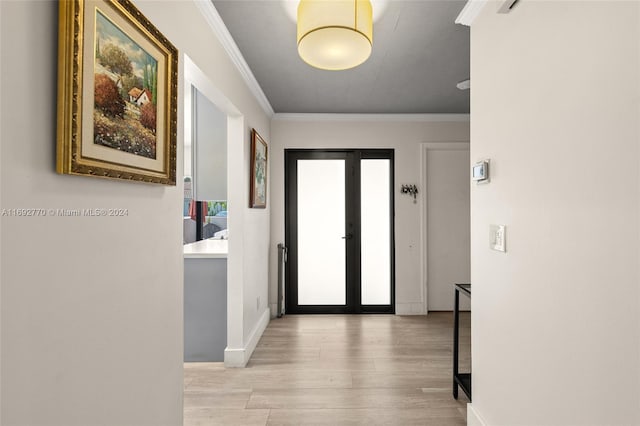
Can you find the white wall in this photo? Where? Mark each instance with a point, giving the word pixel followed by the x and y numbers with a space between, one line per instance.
pixel 186 27
pixel 555 105
pixel 92 307
pixel 403 136
pixel 448 228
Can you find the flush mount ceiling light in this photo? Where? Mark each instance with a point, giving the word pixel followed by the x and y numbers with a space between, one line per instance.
pixel 335 34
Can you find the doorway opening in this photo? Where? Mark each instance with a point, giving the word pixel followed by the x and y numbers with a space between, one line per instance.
pixel 213 302
pixel 339 228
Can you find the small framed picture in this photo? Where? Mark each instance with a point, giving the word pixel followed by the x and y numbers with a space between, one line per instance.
pixel 259 155
pixel 117 94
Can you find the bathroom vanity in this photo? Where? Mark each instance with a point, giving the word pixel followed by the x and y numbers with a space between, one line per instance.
pixel 205 300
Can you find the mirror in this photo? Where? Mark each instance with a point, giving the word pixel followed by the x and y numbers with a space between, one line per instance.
pixel 205 170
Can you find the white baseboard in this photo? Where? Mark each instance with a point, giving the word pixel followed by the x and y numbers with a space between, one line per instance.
pixel 410 309
pixel 257 332
pixel 239 357
pixel 234 358
pixel 273 307
pixel 473 418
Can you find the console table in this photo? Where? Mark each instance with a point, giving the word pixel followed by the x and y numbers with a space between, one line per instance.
pixel 463 380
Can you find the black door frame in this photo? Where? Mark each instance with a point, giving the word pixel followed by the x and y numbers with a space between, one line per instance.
pixel 352 222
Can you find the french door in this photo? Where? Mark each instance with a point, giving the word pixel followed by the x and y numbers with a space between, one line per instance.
pixel 339 231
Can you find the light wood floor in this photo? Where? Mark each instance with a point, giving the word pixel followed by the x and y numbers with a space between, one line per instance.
pixel 336 370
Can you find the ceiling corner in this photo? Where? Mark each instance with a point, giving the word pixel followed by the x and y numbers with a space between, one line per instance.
pixel 372 117
pixel 221 32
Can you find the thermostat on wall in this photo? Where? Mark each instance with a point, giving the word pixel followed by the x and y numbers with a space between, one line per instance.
pixel 480 172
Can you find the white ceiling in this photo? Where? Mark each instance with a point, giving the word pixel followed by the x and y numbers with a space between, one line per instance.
pixel 418 56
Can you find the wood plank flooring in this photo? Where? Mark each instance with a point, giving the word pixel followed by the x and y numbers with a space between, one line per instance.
pixel 337 370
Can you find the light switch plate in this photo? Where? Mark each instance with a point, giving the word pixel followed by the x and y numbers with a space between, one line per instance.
pixel 498 237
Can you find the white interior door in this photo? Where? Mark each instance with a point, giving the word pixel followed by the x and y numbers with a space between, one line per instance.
pixel 448 226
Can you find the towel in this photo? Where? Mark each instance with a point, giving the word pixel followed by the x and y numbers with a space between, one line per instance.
pixel 192 210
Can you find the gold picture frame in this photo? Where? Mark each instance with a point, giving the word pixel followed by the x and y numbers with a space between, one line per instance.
pixel 259 163
pixel 117 94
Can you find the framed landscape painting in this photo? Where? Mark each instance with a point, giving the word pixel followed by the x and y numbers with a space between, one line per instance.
pixel 258 190
pixel 117 94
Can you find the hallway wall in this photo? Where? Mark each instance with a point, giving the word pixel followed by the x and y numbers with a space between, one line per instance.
pixel 448 226
pixel 555 105
pixel 403 136
pixel 91 307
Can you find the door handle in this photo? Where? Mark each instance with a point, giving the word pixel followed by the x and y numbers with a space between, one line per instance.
pixel 348 236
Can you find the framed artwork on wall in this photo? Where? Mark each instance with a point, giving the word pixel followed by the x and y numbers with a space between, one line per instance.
pixel 259 155
pixel 117 94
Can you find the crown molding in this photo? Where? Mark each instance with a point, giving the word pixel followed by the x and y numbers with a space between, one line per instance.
pixel 223 35
pixel 470 12
pixel 372 117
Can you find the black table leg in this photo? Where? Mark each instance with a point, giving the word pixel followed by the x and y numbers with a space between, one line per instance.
pixel 456 321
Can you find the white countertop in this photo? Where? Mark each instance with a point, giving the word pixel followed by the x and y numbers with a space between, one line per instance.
pixel 212 249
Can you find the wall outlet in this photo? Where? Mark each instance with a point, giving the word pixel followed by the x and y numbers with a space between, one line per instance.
pixel 498 237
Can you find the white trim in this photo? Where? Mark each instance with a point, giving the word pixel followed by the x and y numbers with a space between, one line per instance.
pixel 234 358
pixel 239 357
pixel 236 184
pixel 422 208
pixel 194 76
pixel 424 149
pixel 256 334
pixel 372 117
pixel 221 32
pixel 470 12
pixel 473 417
pixel 446 146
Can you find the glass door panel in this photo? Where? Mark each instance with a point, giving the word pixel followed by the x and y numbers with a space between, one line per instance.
pixel 321 228
pixel 375 231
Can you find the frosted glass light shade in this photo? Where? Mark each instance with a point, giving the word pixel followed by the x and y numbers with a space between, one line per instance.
pixel 335 34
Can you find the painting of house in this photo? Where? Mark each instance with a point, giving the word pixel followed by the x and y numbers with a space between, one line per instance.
pixel 125 90
pixel 134 94
pixel 140 96
pixel 144 98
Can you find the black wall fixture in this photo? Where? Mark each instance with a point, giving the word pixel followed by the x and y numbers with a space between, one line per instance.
pixel 411 190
